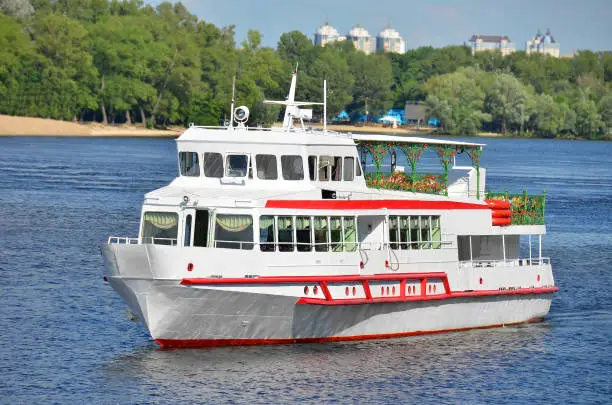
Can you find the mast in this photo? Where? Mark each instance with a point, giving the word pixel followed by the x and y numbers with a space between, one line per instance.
pixel 231 125
pixel 292 109
pixel 324 106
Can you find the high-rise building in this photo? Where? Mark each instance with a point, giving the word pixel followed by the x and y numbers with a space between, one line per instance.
pixel 327 34
pixel 481 43
pixel 389 40
pixel 362 39
pixel 544 44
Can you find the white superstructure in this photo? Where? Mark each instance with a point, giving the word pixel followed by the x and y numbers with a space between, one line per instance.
pixel 278 236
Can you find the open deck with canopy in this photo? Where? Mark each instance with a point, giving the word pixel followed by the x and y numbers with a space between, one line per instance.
pixel 526 209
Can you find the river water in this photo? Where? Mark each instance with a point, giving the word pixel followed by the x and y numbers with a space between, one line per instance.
pixel 65 336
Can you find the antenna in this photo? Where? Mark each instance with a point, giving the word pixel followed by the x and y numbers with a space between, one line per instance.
pixel 324 105
pixel 231 125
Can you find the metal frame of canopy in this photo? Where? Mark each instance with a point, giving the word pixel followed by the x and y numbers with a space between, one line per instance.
pixel 378 146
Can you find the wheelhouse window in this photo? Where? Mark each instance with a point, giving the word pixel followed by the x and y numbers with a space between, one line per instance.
pixel 336 169
pixel 312 167
pixel 266 233
pixel 189 164
pixel 213 164
pixel 266 167
pixel 236 165
pixel 292 167
pixel 160 228
pixel 234 231
pixel 325 163
pixel 349 169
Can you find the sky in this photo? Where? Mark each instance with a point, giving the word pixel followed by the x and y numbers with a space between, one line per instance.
pixel 583 24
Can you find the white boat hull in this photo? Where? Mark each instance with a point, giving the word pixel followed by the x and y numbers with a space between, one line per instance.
pixel 189 316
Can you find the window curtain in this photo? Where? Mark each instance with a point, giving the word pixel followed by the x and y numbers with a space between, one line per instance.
pixel 302 222
pixel 161 220
pixel 266 221
pixel 234 223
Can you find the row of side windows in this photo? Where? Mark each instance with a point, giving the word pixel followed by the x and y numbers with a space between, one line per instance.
pixel 279 233
pixel 305 234
pixel 322 168
pixel 415 232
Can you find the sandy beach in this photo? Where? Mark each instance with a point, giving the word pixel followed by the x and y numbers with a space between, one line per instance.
pixel 28 126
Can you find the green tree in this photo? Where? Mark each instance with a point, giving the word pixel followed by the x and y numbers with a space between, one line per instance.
pixel 506 102
pixel 458 101
pixel 373 80
pixel 588 121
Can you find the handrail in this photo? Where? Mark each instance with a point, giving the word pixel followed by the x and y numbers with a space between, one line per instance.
pixel 347 246
pixel 504 263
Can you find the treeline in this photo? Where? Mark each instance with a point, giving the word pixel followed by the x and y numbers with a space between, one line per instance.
pixel 126 62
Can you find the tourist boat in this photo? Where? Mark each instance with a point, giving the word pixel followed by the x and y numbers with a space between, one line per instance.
pixel 289 235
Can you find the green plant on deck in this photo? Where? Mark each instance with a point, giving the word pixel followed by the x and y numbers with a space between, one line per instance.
pixel 526 209
pixel 422 183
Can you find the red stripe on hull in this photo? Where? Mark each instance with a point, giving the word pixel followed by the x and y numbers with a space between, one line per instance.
pixel 455 294
pixel 193 343
pixel 374 205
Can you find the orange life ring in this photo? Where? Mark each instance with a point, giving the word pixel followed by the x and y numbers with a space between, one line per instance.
pixel 498 204
pixel 501 213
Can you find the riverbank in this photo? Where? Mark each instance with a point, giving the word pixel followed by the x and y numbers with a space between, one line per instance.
pixel 29 126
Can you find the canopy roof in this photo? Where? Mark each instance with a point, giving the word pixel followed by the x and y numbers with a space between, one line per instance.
pixel 410 140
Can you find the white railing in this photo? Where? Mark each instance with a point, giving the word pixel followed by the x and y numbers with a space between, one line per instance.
pixel 503 263
pixel 124 240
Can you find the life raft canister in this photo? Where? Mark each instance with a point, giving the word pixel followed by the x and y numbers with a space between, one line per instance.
pixel 500 212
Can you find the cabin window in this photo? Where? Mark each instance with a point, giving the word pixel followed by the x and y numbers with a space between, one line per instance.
pixel 350 234
pixel 285 234
pixel 213 165
pixel 292 167
pixel 266 167
pixel 189 164
pixel 303 234
pixel 236 165
pixel 425 233
pixel 357 168
pixel 336 169
pixel 324 167
pixel 187 241
pixel 436 234
pixel 234 231
pixel 320 234
pixel 266 233
pixel 415 232
pixel 312 167
pixel 404 232
pixel 335 233
pixel 349 168
pixel 393 232
pixel 160 228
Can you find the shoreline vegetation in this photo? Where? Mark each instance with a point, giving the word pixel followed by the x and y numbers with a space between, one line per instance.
pixel 45 127
pixel 128 64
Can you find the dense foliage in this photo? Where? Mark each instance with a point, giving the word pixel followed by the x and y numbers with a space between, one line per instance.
pixel 122 61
